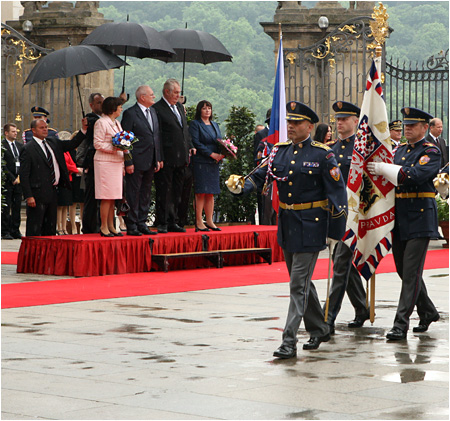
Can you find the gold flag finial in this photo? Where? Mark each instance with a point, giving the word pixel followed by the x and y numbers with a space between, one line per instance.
pixel 379 28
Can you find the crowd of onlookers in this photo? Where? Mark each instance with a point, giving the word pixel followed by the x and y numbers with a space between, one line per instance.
pixel 57 173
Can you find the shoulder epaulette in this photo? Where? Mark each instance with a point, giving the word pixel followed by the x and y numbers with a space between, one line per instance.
pixel 283 143
pixel 320 145
pixel 331 142
pixel 402 144
pixel 427 144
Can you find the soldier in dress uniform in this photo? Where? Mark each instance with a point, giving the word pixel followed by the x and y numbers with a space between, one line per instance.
pixel 395 131
pixel 345 275
pixel 312 211
pixel 416 164
pixel 38 113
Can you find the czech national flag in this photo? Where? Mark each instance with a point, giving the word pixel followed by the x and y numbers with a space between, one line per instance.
pixel 277 127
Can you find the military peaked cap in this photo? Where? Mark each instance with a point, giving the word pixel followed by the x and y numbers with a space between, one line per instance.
pixel 345 109
pixel 414 115
pixel 395 125
pixel 297 111
pixel 39 112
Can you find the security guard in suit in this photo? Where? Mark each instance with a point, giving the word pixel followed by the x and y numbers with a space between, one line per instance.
pixel 312 211
pixel 395 131
pixel 346 277
pixel 416 164
pixel 38 113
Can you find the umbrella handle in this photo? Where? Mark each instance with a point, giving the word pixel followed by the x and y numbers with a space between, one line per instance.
pixel 79 94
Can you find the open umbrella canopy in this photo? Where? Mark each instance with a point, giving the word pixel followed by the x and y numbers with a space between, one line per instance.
pixel 194 46
pixel 130 39
pixel 73 61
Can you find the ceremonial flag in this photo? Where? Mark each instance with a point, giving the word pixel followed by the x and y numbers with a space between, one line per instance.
pixel 371 198
pixel 277 127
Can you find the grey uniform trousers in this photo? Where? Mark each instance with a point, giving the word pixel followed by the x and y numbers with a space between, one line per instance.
pixel 409 257
pixel 345 278
pixel 304 302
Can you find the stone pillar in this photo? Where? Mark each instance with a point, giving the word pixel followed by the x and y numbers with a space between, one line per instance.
pixel 300 30
pixel 57 25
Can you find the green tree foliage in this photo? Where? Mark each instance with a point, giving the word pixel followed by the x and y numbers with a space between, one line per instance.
pixel 247 81
pixel 239 128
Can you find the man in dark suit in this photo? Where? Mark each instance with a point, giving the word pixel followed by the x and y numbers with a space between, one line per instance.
pixel 85 158
pixel 12 190
pixel 42 170
pixel 141 119
pixel 176 147
pixel 434 136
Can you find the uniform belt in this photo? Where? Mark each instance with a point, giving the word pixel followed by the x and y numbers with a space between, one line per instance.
pixel 414 195
pixel 303 206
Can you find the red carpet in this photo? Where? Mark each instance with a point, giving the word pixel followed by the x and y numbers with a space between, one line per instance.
pixel 152 283
pixel 9 257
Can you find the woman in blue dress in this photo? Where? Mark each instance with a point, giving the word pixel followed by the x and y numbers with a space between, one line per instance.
pixel 204 133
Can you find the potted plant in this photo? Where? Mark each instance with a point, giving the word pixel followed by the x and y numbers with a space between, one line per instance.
pixel 442 208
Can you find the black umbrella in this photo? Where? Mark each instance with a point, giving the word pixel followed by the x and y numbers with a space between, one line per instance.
pixel 194 47
pixel 73 61
pixel 130 39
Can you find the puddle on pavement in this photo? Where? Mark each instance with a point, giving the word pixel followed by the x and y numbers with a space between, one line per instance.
pixel 303 415
pixel 131 329
pixel 262 319
pixel 411 375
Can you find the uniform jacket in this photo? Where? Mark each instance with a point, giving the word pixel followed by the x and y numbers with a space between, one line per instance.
pixel 175 139
pixel 104 130
pixel 343 150
pixel 27 134
pixel 416 217
pixel 35 173
pixel 203 142
pixel 442 147
pixel 306 172
pixel 147 151
pixel 257 139
pixel 9 166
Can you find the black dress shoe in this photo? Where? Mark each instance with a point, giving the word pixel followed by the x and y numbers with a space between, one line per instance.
pixel 314 342
pixel 285 351
pixel 7 237
pixel 146 231
pixel 135 233
pixel 117 234
pixel 176 228
pixel 212 228
pixel 102 234
pixel 423 324
pixel 201 229
pixel 331 329
pixel 16 235
pixel 396 334
pixel 162 229
pixel 358 321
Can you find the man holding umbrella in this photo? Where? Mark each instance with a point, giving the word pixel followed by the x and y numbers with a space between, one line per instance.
pixel 177 147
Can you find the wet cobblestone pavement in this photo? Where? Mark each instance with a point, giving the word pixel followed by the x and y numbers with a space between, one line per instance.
pixel 208 355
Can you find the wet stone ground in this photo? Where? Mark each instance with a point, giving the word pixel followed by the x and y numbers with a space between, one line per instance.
pixel 208 355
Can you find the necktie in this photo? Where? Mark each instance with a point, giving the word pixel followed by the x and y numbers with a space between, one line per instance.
pixel 15 151
pixel 50 162
pixel 149 118
pixel 175 111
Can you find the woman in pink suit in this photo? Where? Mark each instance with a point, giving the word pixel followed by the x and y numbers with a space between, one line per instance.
pixel 108 164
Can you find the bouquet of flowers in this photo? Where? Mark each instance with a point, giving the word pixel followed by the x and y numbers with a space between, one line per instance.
pixel 227 148
pixel 124 141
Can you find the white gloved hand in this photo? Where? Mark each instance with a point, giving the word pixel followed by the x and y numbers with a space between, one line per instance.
pixel 388 171
pixel 441 183
pixel 331 243
pixel 235 183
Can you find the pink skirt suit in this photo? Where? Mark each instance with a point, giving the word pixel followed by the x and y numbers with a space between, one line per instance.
pixel 108 160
